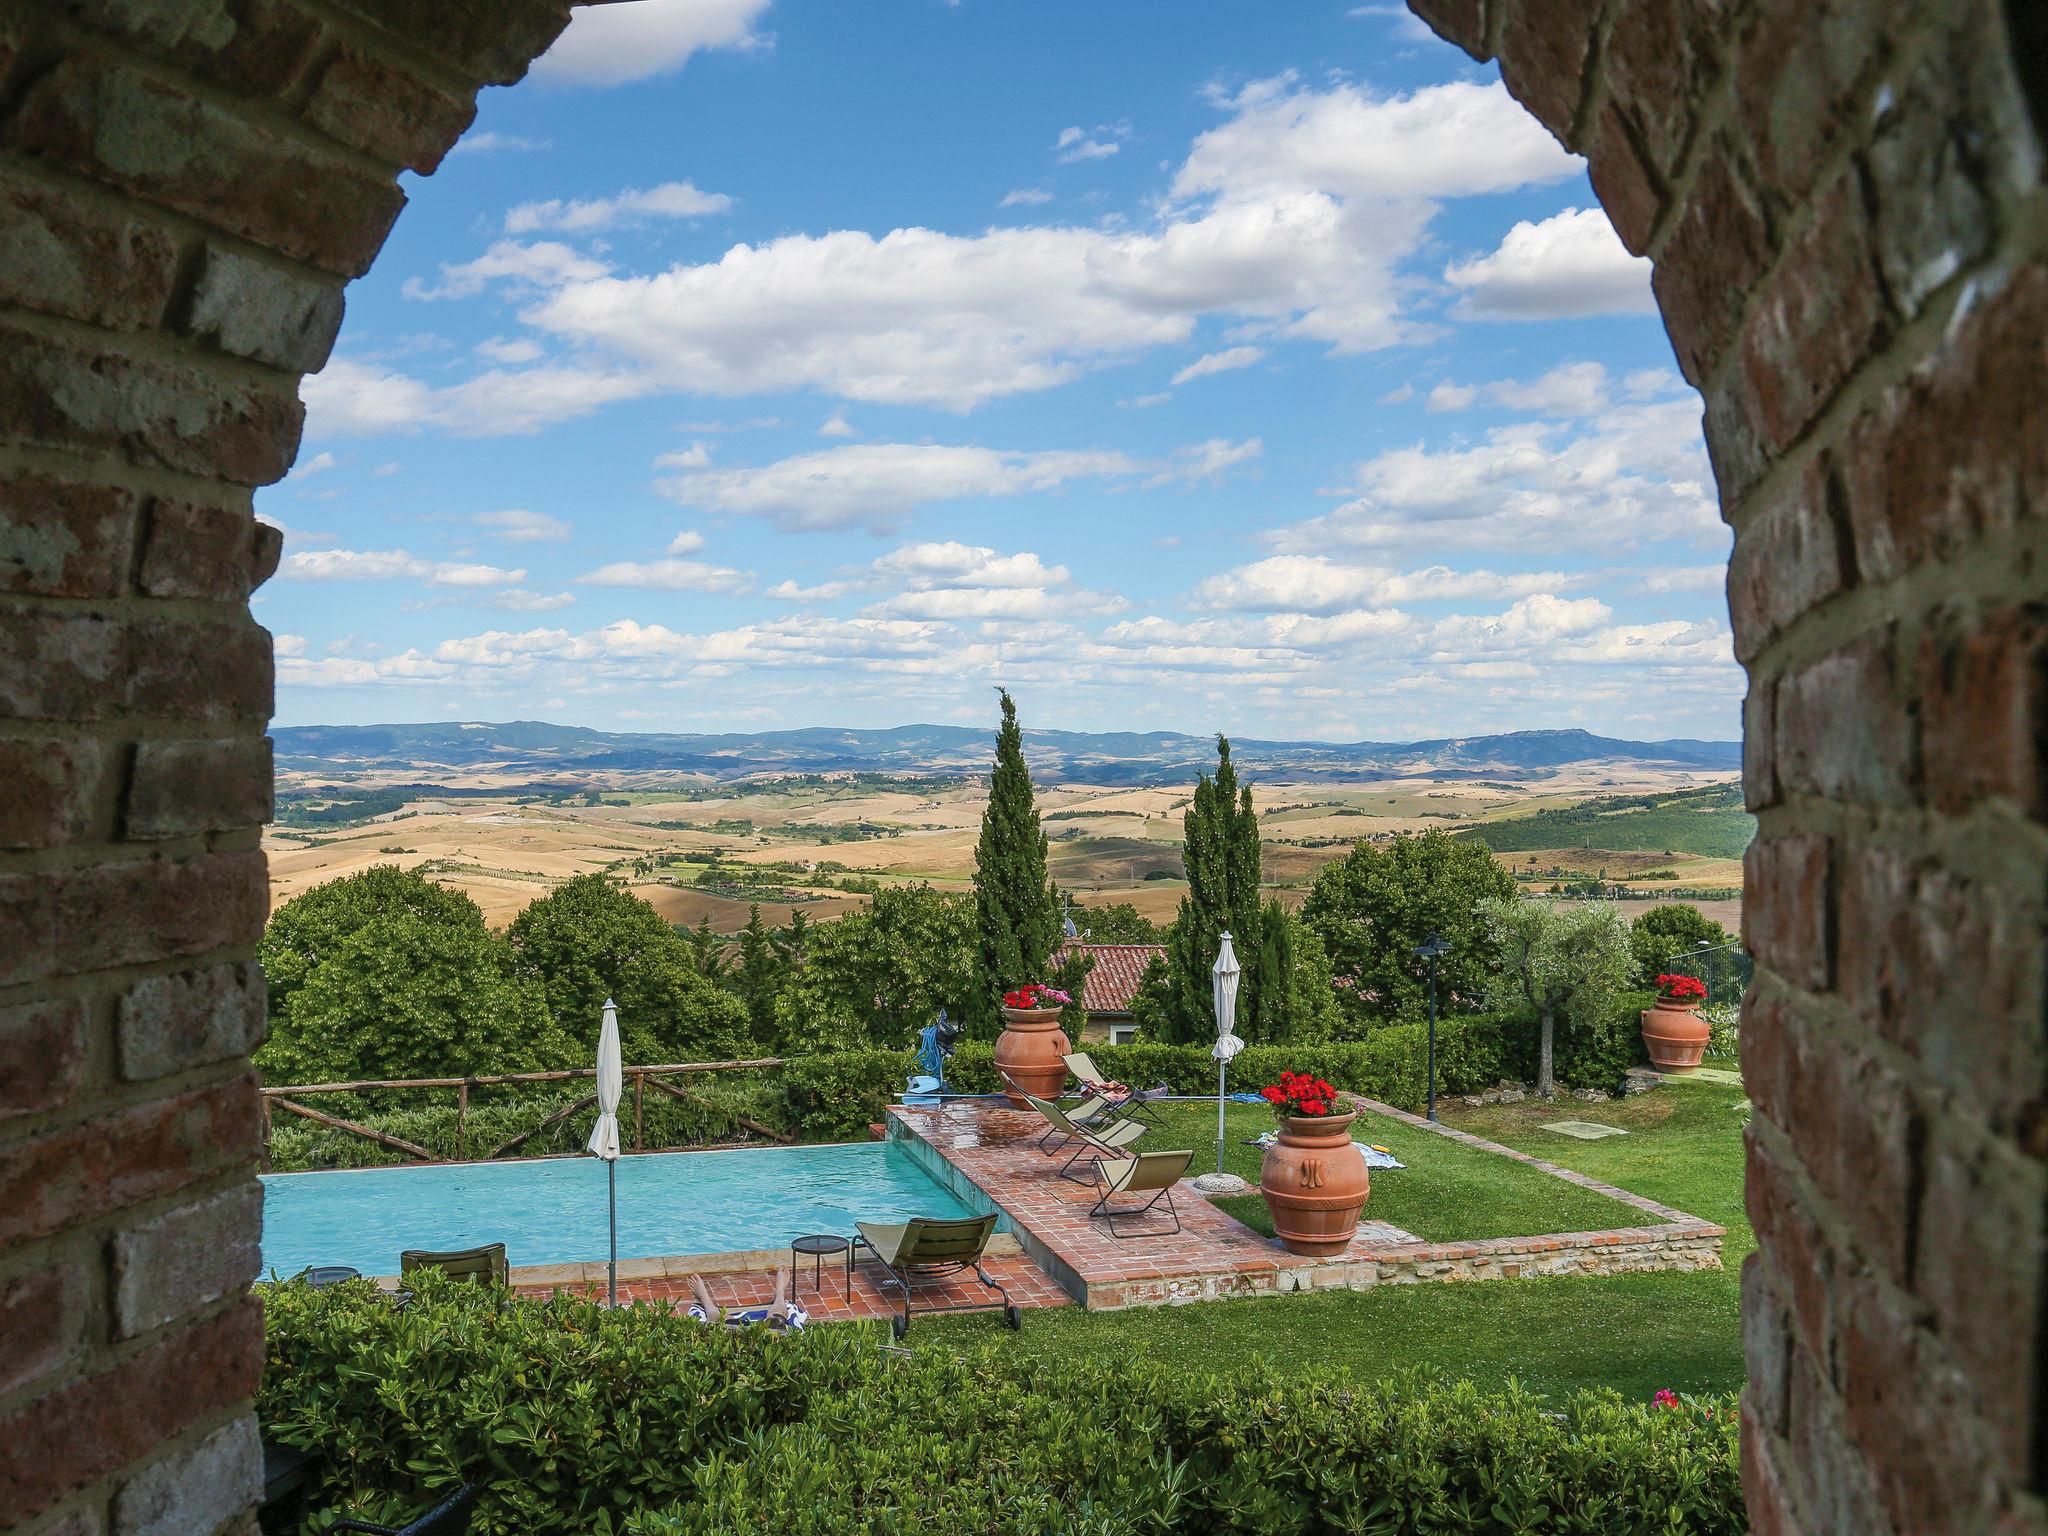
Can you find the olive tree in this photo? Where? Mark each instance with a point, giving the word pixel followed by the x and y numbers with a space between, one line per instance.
pixel 1565 962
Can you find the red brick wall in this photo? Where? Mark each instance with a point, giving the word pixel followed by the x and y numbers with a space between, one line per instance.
pixel 184 191
pixel 1844 202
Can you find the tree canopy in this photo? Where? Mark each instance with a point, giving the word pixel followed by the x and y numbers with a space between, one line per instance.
pixel 588 940
pixel 1372 908
pixel 1115 922
pixel 1016 915
pixel 1665 932
pixel 1565 962
pixel 386 975
pixel 875 977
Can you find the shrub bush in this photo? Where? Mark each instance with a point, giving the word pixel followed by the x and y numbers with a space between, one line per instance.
pixel 575 1419
pixel 838 1095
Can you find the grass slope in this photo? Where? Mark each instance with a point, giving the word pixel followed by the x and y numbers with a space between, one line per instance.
pixel 1634 1333
pixel 1709 822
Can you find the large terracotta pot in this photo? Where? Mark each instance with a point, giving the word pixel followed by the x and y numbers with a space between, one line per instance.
pixel 1675 1036
pixel 1315 1184
pixel 1031 1054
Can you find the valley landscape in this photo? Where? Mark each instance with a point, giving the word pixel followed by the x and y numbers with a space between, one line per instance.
pixel 703 827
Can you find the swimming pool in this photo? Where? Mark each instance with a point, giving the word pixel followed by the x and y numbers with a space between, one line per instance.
pixel 552 1210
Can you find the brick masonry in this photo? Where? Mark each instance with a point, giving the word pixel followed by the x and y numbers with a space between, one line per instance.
pixel 1844 203
pixel 184 192
pixel 989 1157
pixel 1843 200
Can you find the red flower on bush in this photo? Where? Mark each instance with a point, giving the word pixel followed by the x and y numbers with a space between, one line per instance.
pixel 1666 1398
pixel 1301 1094
pixel 1681 989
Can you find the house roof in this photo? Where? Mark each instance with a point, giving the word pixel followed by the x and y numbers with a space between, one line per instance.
pixel 1118 969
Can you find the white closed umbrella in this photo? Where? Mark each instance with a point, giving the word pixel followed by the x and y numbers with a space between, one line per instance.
pixel 1223 980
pixel 604 1136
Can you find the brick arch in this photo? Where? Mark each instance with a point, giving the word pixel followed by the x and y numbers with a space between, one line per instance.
pixel 1843 200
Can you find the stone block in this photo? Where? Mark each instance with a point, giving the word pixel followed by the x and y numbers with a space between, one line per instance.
pixel 144 910
pixel 61 254
pixel 490 44
pixel 1622 178
pixel 42 1057
pixel 1543 48
pixel 130 130
pixel 1661 59
pixel 1759 747
pixel 42 1321
pixel 1788 907
pixel 178 788
pixel 196 1487
pixel 169 1024
pixel 194 550
pixel 54 790
pixel 187 1259
pixel 64 538
pixel 1460 22
pixel 1984 701
pixel 182 670
pixel 252 47
pixel 1845 726
pixel 1718 251
pixel 368 102
pixel 61 666
pixel 1787 560
pixel 1800 67
pixel 264 310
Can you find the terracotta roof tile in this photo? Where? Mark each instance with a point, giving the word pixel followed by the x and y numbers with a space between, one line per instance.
pixel 1118 969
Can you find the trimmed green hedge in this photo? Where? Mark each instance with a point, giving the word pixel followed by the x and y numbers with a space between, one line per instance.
pixel 580 1420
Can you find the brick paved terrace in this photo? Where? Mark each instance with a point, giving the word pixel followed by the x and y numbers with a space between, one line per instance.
pixel 986 1153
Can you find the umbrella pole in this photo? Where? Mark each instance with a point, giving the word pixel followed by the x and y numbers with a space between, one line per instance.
pixel 1222 1067
pixel 611 1170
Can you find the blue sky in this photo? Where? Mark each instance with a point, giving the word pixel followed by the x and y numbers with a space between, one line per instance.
pixel 763 363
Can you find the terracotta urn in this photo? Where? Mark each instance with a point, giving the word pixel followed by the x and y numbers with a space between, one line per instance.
pixel 1675 1035
pixel 1315 1184
pixel 1031 1054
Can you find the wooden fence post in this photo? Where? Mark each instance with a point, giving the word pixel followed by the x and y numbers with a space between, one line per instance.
pixel 639 1083
pixel 461 1120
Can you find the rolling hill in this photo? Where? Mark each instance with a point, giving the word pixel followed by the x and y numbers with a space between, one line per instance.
pixel 1709 822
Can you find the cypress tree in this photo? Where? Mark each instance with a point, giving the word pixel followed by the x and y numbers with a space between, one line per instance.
pixel 1016 914
pixel 1220 852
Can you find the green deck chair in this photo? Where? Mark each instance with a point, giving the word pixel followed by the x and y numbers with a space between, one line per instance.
pixel 1096 1142
pixel 1149 1173
pixel 480 1266
pixel 925 1249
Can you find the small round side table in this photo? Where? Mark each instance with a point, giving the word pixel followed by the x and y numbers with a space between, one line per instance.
pixel 820 1246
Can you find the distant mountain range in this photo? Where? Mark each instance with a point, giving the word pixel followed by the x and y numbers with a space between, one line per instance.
pixel 1086 757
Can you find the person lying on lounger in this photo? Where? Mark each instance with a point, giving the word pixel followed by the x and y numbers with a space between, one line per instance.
pixel 780 1314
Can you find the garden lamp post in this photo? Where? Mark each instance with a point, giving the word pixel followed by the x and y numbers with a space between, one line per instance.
pixel 1223 979
pixel 1433 949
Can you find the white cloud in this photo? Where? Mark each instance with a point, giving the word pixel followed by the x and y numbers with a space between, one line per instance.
pixel 670 200
pixel 1075 144
pixel 517 350
pixel 1145 402
pixel 1685 578
pixel 288 645
pixel 384 471
pixel 543 262
pixel 389 565
pixel 1408 26
pixel 519 600
pixel 1025 197
pixel 1438 141
pixel 877 485
pixel 1564 267
pixel 1319 584
pixel 1398 396
pixel 1569 390
pixel 823 592
pixel 352 399
pixel 1635 473
pixel 319 463
pixel 669 576
pixel 696 456
pixel 949 563
pixel 613 44
pixel 522 527
pixel 836 425
pixel 1202 461
pixel 486 143
pixel 1218 362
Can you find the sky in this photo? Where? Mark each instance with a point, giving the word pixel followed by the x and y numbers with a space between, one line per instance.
pixel 1175 364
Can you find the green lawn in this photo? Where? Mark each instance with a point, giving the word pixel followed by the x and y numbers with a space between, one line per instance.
pixel 1634 1333
pixel 1447 1193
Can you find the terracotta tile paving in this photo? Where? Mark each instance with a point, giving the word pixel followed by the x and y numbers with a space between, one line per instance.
pixel 1028 1285
pixel 993 1148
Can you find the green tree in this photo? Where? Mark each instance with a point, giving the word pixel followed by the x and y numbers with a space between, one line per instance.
pixel 1373 907
pixel 1220 852
pixel 1664 932
pixel 385 974
pixel 1016 914
pixel 588 940
pixel 1115 922
pixel 1565 963
pixel 875 977
pixel 760 973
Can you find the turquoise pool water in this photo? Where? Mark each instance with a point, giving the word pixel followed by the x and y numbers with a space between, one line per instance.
pixel 552 1210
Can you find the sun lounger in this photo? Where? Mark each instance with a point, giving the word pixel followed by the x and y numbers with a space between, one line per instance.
pixel 923 1250
pixel 480 1266
pixel 1149 1173
pixel 1096 1142
pixel 1092 1079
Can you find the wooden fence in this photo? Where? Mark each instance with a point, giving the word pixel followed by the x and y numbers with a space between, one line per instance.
pixel 638 1079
